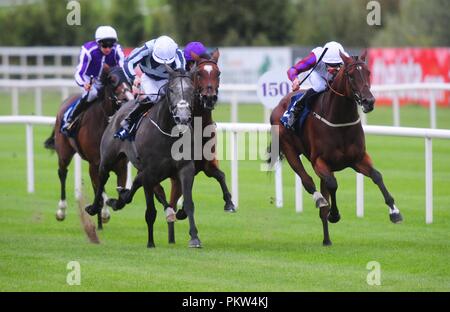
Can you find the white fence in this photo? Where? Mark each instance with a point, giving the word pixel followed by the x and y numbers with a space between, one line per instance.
pixel 235 128
pixel 228 92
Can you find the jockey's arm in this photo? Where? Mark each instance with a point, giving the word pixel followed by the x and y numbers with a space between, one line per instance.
pixel 301 66
pixel 133 59
pixel 80 78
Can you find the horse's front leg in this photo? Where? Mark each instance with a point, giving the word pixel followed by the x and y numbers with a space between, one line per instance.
pixel 294 161
pixel 96 206
pixel 186 176
pixel 150 213
pixel 211 169
pixel 93 173
pixel 365 167
pixel 328 185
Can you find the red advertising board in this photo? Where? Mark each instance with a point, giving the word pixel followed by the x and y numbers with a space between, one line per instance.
pixel 410 65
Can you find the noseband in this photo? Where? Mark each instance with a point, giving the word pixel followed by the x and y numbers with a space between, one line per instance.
pixel 198 91
pixel 355 93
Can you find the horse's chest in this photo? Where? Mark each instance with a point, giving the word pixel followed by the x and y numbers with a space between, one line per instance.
pixel 341 155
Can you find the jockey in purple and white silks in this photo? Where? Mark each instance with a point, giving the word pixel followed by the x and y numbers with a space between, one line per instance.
pixel 323 73
pixel 104 50
pixel 196 47
pixel 151 58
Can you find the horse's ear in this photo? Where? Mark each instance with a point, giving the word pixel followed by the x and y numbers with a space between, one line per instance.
pixel 345 58
pixel 363 55
pixel 195 57
pixel 169 69
pixel 193 69
pixel 215 55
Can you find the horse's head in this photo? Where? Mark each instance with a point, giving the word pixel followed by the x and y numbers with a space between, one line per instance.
pixel 179 94
pixel 358 76
pixel 206 78
pixel 117 87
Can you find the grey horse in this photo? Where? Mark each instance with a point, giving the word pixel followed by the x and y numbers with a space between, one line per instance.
pixel 152 153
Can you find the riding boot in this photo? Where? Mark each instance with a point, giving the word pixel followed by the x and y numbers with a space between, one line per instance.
pixel 79 108
pixel 129 123
pixel 291 116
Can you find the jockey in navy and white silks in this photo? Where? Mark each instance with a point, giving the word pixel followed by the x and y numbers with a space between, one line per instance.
pixel 151 58
pixel 323 73
pixel 104 50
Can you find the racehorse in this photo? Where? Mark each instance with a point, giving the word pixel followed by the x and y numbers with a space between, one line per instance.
pixel 87 137
pixel 151 151
pixel 206 82
pixel 333 139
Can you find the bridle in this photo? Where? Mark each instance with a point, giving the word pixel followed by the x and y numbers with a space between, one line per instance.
pixel 203 98
pixel 356 94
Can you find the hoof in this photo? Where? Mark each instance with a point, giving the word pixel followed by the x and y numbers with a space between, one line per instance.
pixel 326 243
pixel 396 218
pixel 150 245
pixel 334 218
pixel 229 207
pixel 91 210
pixel 181 214
pixel 321 202
pixel 170 215
pixel 195 243
pixel 124 195
pixel 60 216
pixel 106 218
pixel 115 204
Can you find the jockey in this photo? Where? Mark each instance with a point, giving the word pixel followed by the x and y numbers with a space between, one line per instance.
pixel 104 50
pixel 196 47
pixel 322 74
pixel 151 58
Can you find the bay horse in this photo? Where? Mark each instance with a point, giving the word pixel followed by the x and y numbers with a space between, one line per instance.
pixel 86 140
pixel 151 152
pixel 333 139
pixel 206 82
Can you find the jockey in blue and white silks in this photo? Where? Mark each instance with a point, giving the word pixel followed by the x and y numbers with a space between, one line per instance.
pixel 93 54
pixel 151 58
pixel 323 72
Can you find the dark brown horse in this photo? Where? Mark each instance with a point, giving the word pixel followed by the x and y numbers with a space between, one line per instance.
pixel 90 128
pixel 206 82
pixel 333 139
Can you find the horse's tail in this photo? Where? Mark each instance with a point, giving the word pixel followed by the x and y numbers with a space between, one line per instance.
pixel 50 142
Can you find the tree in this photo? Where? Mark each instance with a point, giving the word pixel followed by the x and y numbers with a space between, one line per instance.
pixel 231 22
pixel 419 23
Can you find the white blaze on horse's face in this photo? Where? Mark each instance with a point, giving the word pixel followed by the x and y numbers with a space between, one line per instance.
pixel 208 69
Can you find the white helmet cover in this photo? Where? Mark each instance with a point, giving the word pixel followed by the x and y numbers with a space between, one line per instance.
pixel 332 55
pixel 164 50
pixel 105 32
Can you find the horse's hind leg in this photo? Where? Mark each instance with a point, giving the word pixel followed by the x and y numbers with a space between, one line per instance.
pixel 168 211
pixel 366 168
pixel 150 214
pixel 212 170
pixel 63 163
